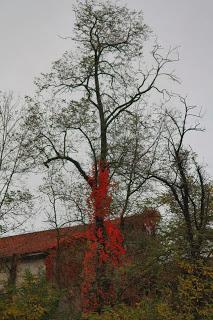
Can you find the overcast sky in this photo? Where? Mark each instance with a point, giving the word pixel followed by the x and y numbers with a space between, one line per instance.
pixel 29 37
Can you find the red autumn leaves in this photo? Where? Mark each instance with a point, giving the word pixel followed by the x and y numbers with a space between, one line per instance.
pixel 101 245
pixel 104 243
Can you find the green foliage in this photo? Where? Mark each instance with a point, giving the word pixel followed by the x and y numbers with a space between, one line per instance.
pixel 184 291
pixel 194 290
pixel 142 311
pixel 35 299
pixel 145 310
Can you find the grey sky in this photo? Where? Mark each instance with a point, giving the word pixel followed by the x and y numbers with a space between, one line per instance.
pixel 29 42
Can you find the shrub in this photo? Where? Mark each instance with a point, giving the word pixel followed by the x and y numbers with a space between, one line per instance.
pixel 35 299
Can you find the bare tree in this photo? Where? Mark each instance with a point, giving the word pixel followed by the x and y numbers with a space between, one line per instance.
pixel 15 200
pixel 189 188
pixel 91 89
pixel 132 155
pixel 62 205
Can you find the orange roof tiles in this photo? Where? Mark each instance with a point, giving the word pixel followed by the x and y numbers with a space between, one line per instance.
pixel 42 241
pixel 35 242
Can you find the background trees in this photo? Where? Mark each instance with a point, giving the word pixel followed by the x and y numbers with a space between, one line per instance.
pixel 189 188
pixel 15 200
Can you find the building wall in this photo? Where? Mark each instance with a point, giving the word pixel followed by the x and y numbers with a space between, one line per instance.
pixel 4 275
pixel 32 264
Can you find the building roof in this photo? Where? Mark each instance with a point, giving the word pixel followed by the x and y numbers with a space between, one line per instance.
pixel 43 241
pixel 35 242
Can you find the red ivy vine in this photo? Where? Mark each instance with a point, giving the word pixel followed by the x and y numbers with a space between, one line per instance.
pixel 104 242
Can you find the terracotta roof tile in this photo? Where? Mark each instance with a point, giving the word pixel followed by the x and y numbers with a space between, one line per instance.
pixel 42 241
pixel 35 242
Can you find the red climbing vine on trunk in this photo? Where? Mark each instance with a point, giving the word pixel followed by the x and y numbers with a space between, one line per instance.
pixel 104 247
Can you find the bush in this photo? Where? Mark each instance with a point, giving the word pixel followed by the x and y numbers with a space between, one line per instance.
pixel 189 297
pixel 141 311
pixel 35 299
